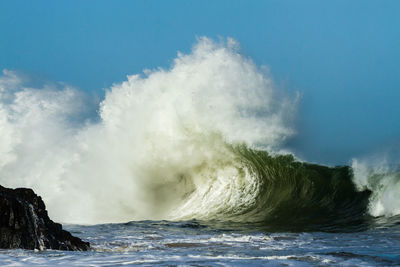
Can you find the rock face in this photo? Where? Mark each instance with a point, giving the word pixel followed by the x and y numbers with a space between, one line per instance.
pixel 24 223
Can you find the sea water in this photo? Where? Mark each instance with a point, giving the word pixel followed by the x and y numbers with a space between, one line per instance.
pixel 193 158
pixel 194 243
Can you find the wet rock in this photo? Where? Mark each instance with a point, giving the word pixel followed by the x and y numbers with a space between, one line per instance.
pixel 24 223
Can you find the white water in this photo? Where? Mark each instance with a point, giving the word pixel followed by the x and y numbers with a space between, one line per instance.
pixel 376 175
pixel 161 136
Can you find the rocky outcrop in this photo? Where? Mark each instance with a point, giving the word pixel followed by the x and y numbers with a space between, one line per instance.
pixel 24 223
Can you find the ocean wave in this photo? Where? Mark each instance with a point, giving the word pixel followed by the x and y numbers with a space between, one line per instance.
pixel 199 140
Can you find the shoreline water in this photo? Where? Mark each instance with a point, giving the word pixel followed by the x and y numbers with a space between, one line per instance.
pixel 194 243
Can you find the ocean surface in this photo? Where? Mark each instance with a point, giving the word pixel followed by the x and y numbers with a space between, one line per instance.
pixel 196 243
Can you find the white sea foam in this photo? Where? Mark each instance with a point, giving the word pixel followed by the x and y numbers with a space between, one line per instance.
pixel 161 136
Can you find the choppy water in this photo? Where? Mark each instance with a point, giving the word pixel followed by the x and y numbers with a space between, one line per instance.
pixel 194 243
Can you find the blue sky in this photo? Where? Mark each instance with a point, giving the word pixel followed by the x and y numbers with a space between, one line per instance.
pixel 342 56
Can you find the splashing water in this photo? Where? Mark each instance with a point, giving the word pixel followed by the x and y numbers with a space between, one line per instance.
pixel 383 181
pixel 161 135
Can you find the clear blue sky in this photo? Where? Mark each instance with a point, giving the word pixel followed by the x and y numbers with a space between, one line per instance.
pixel 343 56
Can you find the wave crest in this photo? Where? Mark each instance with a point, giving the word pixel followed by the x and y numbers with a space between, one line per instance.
pixel 186 142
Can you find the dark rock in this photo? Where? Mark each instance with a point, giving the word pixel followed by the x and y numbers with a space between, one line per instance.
pixel 24 223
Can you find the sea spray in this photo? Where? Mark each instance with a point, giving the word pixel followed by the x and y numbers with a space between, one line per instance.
pixel 384 182
pixel 159 136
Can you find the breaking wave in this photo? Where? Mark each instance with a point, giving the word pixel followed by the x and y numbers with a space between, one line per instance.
pixel 199 140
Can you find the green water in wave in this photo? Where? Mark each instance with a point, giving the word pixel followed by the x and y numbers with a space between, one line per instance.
pixel 295 195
